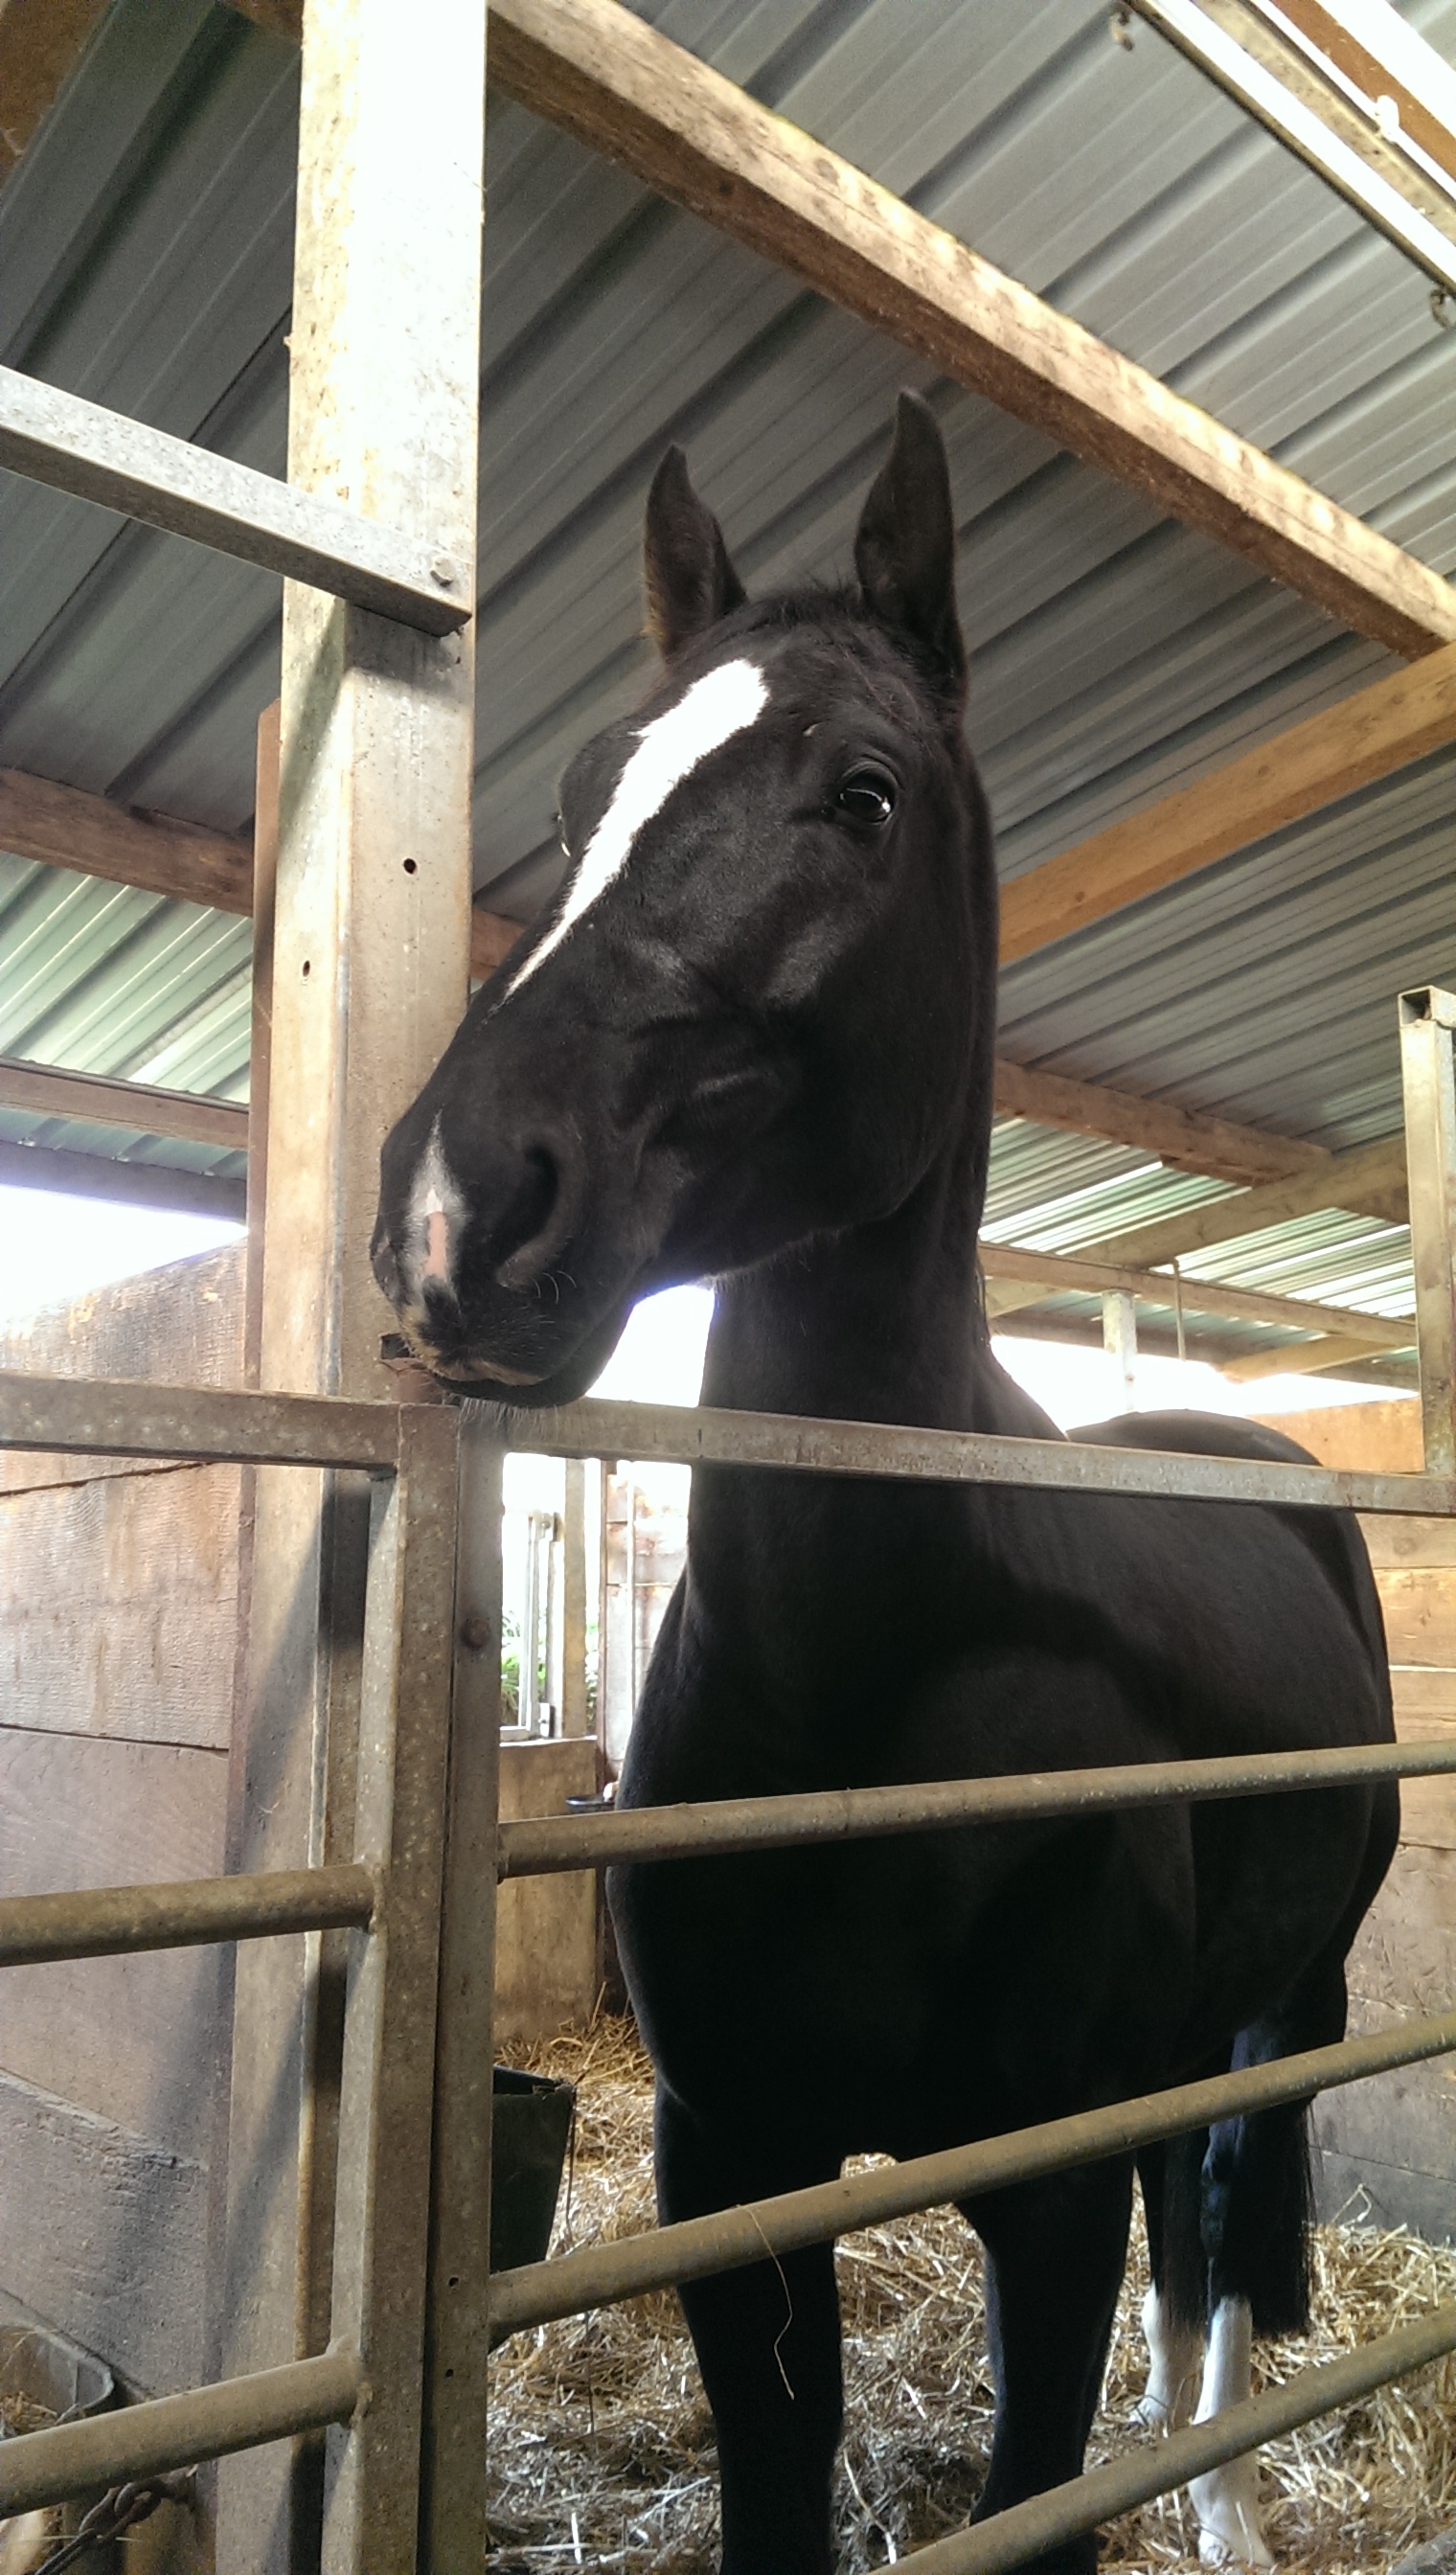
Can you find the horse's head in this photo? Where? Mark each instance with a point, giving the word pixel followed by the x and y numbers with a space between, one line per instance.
pixel 753 1014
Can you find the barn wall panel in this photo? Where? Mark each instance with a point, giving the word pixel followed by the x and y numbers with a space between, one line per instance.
pixel 1394 2139
pixel 545 1931
pixel 119 1605
pixel 137 2040
pixel 104 2234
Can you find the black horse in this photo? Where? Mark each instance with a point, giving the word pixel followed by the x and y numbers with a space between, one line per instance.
pixel 752 1043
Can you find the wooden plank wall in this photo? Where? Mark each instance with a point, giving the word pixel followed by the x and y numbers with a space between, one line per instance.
pixel 1389 2146
pixel 117 1640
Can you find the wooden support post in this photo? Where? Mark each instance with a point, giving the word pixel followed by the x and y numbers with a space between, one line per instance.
pixel 1428 1068
pixel 371 951
pixel 1119 1338
pixel 575 1718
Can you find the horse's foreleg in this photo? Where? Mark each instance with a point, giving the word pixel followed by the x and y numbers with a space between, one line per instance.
pixel 1055 2253
pixel 768 2344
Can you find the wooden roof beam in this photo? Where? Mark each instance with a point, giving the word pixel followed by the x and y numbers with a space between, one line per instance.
pixel 1058 1274
pixel 605 76
pixel 64 826
pixel 599 72
pixel 1365 736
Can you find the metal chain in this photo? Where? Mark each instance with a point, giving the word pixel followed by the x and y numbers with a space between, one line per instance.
pixel 120 2510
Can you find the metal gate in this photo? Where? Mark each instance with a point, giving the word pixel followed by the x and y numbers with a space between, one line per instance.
pixel 402 2383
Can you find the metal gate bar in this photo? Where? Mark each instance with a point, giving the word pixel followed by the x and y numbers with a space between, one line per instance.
pixel 107 1922
pixel 165 481
pixel 67 2459
pixel 602 2274
pixel 543 1845
pixel 1064 2512
pixel 121 1418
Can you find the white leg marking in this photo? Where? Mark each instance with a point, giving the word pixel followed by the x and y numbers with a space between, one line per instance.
pixel 1226 2501
pixel 1175 2356
pixel 717 707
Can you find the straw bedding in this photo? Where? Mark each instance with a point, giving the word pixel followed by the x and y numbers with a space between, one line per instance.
pixel 601 2444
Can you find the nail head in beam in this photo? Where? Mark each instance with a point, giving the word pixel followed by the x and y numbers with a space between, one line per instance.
pixel 98 455
pixel 594 67
pixel 113 1921
pixel 47 1091
pixel 602 2274
pixel 95 1176
pixel 69 2459
pixel 1029 2530
pixel 1428 1074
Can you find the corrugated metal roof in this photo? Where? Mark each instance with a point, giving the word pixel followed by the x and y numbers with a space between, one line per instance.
pixel 145 252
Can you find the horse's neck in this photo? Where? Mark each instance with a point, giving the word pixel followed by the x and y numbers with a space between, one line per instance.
pixel 880 1324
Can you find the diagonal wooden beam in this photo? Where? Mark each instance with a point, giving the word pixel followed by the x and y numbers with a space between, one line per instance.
pixel 1182 1137
pixel 1303 1359
pixel 41 42
pixel 1059 1273
pixel 1367 736
pixel 596 69
pixel 46 1091
pixel 1368 1181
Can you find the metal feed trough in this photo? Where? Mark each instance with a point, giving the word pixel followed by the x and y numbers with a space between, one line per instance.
pixel 393 112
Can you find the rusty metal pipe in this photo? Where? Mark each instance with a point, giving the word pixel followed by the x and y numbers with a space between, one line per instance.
pixel 599 2274
pixel 542 1845
pixel 67 2459
pixel 107 1922
pixel 1065 2511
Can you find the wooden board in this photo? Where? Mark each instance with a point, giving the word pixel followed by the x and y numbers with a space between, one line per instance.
pixel 136 2039
pixel 545 1929
pixel 138 1636
pixel 1395 2137
pixel 104 2234
pixel 1308 765
pixel 1420 1614
pixel 178 1326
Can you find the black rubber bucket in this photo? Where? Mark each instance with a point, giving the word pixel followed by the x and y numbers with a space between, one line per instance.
pixel 531 2130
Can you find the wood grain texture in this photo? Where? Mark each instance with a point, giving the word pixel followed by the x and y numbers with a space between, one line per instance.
pixel 41 42
pixel 546 1927
pixel 64 826
pixel 130 1106
pixel 1396 2137
pixel 593 68
pixel 1185 1138
pixel 1346 746
pixel 1420 1614
pixel 119 1606
pixel 103 2233
pixel 181 1326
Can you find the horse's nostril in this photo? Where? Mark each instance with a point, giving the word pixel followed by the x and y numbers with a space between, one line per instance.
pixel 538 1223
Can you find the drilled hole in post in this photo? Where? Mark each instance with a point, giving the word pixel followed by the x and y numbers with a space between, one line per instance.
pixel 307 966
pixel 409 866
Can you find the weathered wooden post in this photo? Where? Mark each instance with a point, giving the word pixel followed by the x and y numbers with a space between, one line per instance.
pixel 369 979
pixel 1428 1070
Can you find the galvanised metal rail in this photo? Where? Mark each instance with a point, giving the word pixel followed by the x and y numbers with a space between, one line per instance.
pixel 389 1896
pixel 344 2385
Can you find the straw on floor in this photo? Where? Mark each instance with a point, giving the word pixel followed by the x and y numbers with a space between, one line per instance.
pixel 602 2445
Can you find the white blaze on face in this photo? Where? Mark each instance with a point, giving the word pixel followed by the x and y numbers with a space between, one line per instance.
pixel 435 1209
pixel 668 748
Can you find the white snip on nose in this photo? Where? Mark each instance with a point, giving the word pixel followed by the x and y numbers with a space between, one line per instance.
pixel 436 1204
pixel 708 715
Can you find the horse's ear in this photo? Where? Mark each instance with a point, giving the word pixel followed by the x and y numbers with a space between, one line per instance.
pixel 689 579
pixel 905 552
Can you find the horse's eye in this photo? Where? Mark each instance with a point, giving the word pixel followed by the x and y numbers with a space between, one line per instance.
pixel 867 796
